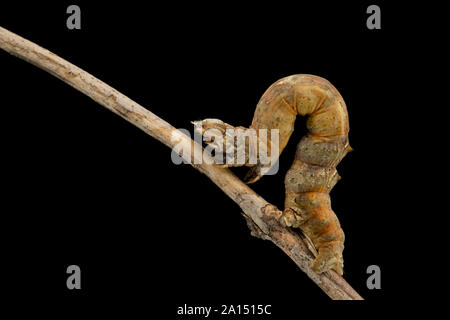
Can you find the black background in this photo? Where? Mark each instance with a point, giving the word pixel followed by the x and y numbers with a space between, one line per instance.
pixel 82 186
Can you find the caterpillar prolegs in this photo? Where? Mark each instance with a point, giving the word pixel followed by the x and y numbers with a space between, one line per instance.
pixel 313 173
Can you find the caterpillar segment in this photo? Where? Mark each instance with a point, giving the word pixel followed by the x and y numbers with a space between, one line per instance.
pixel 313 173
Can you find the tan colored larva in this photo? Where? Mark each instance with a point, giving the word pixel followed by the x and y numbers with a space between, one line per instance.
pixel 313 173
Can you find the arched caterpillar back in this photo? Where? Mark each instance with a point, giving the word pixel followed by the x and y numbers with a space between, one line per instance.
pixel 313 173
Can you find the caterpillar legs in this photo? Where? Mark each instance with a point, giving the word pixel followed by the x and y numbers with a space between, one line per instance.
pixel 329 244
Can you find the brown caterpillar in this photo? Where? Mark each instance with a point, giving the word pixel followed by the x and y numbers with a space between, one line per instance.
pixel 313 173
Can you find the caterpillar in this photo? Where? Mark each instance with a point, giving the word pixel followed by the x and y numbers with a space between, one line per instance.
pixel 313 173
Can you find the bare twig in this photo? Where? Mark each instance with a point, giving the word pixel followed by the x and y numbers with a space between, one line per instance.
pixel 261 216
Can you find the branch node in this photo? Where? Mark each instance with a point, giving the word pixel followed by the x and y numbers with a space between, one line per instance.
pixel 255 231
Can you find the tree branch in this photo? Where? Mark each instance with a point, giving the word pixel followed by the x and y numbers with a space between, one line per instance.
pixel 261 216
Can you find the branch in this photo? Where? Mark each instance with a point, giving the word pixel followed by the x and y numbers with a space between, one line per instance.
pixel 261 216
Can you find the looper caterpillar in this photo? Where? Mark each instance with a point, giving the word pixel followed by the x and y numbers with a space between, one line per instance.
pixel 313 173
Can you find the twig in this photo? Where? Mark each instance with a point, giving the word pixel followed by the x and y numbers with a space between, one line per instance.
pixel 261 216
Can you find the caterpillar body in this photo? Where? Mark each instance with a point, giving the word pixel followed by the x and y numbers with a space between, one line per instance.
pixel 313 173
